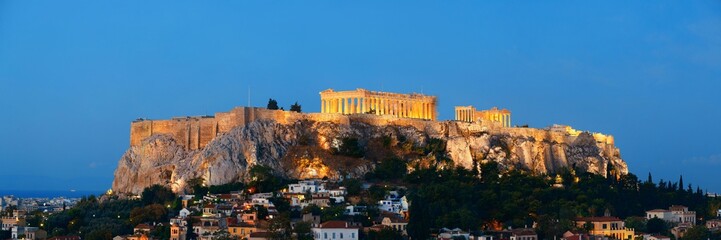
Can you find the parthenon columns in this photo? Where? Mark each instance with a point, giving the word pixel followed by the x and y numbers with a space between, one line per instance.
pixel 363 101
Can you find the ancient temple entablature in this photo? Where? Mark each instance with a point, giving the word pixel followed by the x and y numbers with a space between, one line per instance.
pixel 412 105
pixel 470 114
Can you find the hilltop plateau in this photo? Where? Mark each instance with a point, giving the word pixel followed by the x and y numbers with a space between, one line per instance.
pixel 318 145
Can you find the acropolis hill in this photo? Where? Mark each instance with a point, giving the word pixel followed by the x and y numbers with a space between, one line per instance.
pixel 221 148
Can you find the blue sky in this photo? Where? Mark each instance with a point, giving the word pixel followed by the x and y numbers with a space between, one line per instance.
pixel 74 74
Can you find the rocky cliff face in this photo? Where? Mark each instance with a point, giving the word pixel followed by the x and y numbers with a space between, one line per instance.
pixel 304 149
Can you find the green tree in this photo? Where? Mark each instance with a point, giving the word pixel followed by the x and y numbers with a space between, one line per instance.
pixel 302 230
pixel 637 223
pixel 353 186
pixel 656 225
pixel 150 213
pixel 295 107
pixel 5 234
pixel 698 232
pixel 350 147
pixel 190 233
pixel 263 179
pixel 160 232
pixel 157 194
pixel 385 233
pixel 279 227
pixel 391 169
pixel 272 104
pixel 99 234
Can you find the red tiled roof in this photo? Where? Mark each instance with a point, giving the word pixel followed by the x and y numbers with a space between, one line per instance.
pixel 143 226
pixel 573 237
pixel 336 224
pixel 658 210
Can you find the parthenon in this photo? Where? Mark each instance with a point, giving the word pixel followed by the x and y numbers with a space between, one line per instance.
pixel 412 105
pixel 470 114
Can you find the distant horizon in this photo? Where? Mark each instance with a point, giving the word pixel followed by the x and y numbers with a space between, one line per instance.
pixel 50 193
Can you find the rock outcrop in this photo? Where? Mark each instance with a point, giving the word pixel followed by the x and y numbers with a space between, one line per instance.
pixel 304 148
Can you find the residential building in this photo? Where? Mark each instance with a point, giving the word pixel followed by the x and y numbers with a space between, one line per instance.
pixel 675 214
pixel 210 210
pixel 662 214
pixel 9 222
pixel 142 229
pixel 395 223
pixel 655 237
pixel 242 230
pixel 206 227
pixel 178 231
pixel 450 234
pixel 183 213
pixel 523 234
pixel 336 230
pixel 681 214
pixel 353 210
pixel 34 233
pixel 312 186
pixel 606 226
pixel 713 224
pixel 679 230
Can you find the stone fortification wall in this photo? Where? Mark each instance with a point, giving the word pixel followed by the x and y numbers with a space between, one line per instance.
pixel 192 132
pixel 196 132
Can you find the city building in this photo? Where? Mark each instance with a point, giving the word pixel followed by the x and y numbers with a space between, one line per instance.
pixel 606 226
pixel 395 223
pixel 336 230
pixel 523 234
pixel 675 214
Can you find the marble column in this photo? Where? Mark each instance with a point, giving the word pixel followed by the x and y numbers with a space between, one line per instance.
pixel 353 106
pixel 380 105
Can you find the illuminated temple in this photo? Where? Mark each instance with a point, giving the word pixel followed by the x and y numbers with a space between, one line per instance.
pixel 412 105
pixel 470 114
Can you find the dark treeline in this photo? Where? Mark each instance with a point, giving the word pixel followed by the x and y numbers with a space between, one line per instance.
pixel 458 197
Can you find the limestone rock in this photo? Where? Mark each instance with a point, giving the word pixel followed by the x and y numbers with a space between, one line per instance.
pixel 303 149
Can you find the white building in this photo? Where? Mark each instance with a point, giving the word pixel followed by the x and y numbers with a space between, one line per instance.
pixel 312 186
pixel 662 214
pixel 681 214
pixel 184 213
pixel 355 210
pixel 389 206
pixel 335 230
pixel 453 233
pixel 675 214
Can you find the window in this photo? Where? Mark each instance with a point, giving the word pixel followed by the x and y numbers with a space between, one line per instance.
pixel 352 235
pixel 333 235
pixel 605 226
pixel 341 235
pixel 325 235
